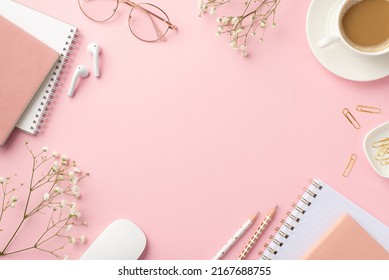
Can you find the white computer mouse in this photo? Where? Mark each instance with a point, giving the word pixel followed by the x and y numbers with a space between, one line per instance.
pixel 121 240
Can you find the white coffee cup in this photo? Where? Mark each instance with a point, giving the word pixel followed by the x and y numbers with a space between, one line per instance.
pixel 338 35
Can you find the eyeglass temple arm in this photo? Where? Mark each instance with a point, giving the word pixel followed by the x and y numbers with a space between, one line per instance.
pixel 156 29
pixel 132 4
pixel 155 26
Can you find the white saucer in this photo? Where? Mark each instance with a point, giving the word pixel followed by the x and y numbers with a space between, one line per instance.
pixel 337 58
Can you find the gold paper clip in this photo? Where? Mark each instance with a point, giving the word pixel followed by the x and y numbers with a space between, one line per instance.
pixel 368 109
pixel 351 118
pixel 381 152
pixel 380 143
pixel 384 161
pixel 350 165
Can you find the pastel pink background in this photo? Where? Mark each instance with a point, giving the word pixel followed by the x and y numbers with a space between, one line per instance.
pixel 187 139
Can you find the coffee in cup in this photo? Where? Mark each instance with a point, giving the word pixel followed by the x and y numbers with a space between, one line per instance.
pixel 365 25
pixel 362 25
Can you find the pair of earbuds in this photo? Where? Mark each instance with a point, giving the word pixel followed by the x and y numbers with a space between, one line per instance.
pixel 82 71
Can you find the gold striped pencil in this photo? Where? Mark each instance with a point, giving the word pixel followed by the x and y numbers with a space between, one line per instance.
pixel 257 233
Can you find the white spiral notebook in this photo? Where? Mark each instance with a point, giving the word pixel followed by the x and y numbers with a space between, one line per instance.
pixel 315 212
pixel 58 35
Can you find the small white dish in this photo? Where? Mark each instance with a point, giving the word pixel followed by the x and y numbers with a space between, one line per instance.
pixel 374 135
pixel 337 58
pixel 121 240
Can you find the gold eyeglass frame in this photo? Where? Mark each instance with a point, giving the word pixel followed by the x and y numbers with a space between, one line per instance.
pixel 133 5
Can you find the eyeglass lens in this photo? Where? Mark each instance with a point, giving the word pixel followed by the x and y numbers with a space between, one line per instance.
pixel 147 22
pixel 99 10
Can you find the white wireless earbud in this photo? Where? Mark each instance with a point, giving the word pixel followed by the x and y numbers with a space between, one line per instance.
pixel 94 49
pixel 82 72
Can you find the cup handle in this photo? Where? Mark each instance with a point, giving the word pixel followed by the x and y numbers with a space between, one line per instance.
pixel 329 40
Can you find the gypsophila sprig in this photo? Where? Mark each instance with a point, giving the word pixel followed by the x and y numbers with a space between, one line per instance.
pixel 52 189
pixel 256 16
pixel 210 6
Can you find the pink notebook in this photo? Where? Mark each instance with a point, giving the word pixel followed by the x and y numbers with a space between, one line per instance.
pixel 24 64
pixel 347 240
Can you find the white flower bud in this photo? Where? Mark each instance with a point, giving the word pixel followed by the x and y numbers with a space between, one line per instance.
pixel 82 239
pixel 75 188
pixel 72 240
pixel 46 196
pixel 62 203
pixel 199 4
pixel 58 189
pixel 55 166
pixel 74 213
pixel 243 48
pixel 233 44
pixel 225 20
pixel 234 20
pixel 69 228
pixel 74 180
pixel 64 160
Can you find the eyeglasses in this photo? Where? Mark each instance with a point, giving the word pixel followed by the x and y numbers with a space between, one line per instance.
pixel 146 21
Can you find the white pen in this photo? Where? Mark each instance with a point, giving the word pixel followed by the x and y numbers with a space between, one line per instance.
pixel 235 237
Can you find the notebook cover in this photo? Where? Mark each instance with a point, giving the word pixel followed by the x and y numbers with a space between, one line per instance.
pixel 24 64
pixel 347 240
pixel 58 35
pixel 312 216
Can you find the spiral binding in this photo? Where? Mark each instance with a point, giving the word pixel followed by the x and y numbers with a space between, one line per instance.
pixel 293 217
pixel 55 82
